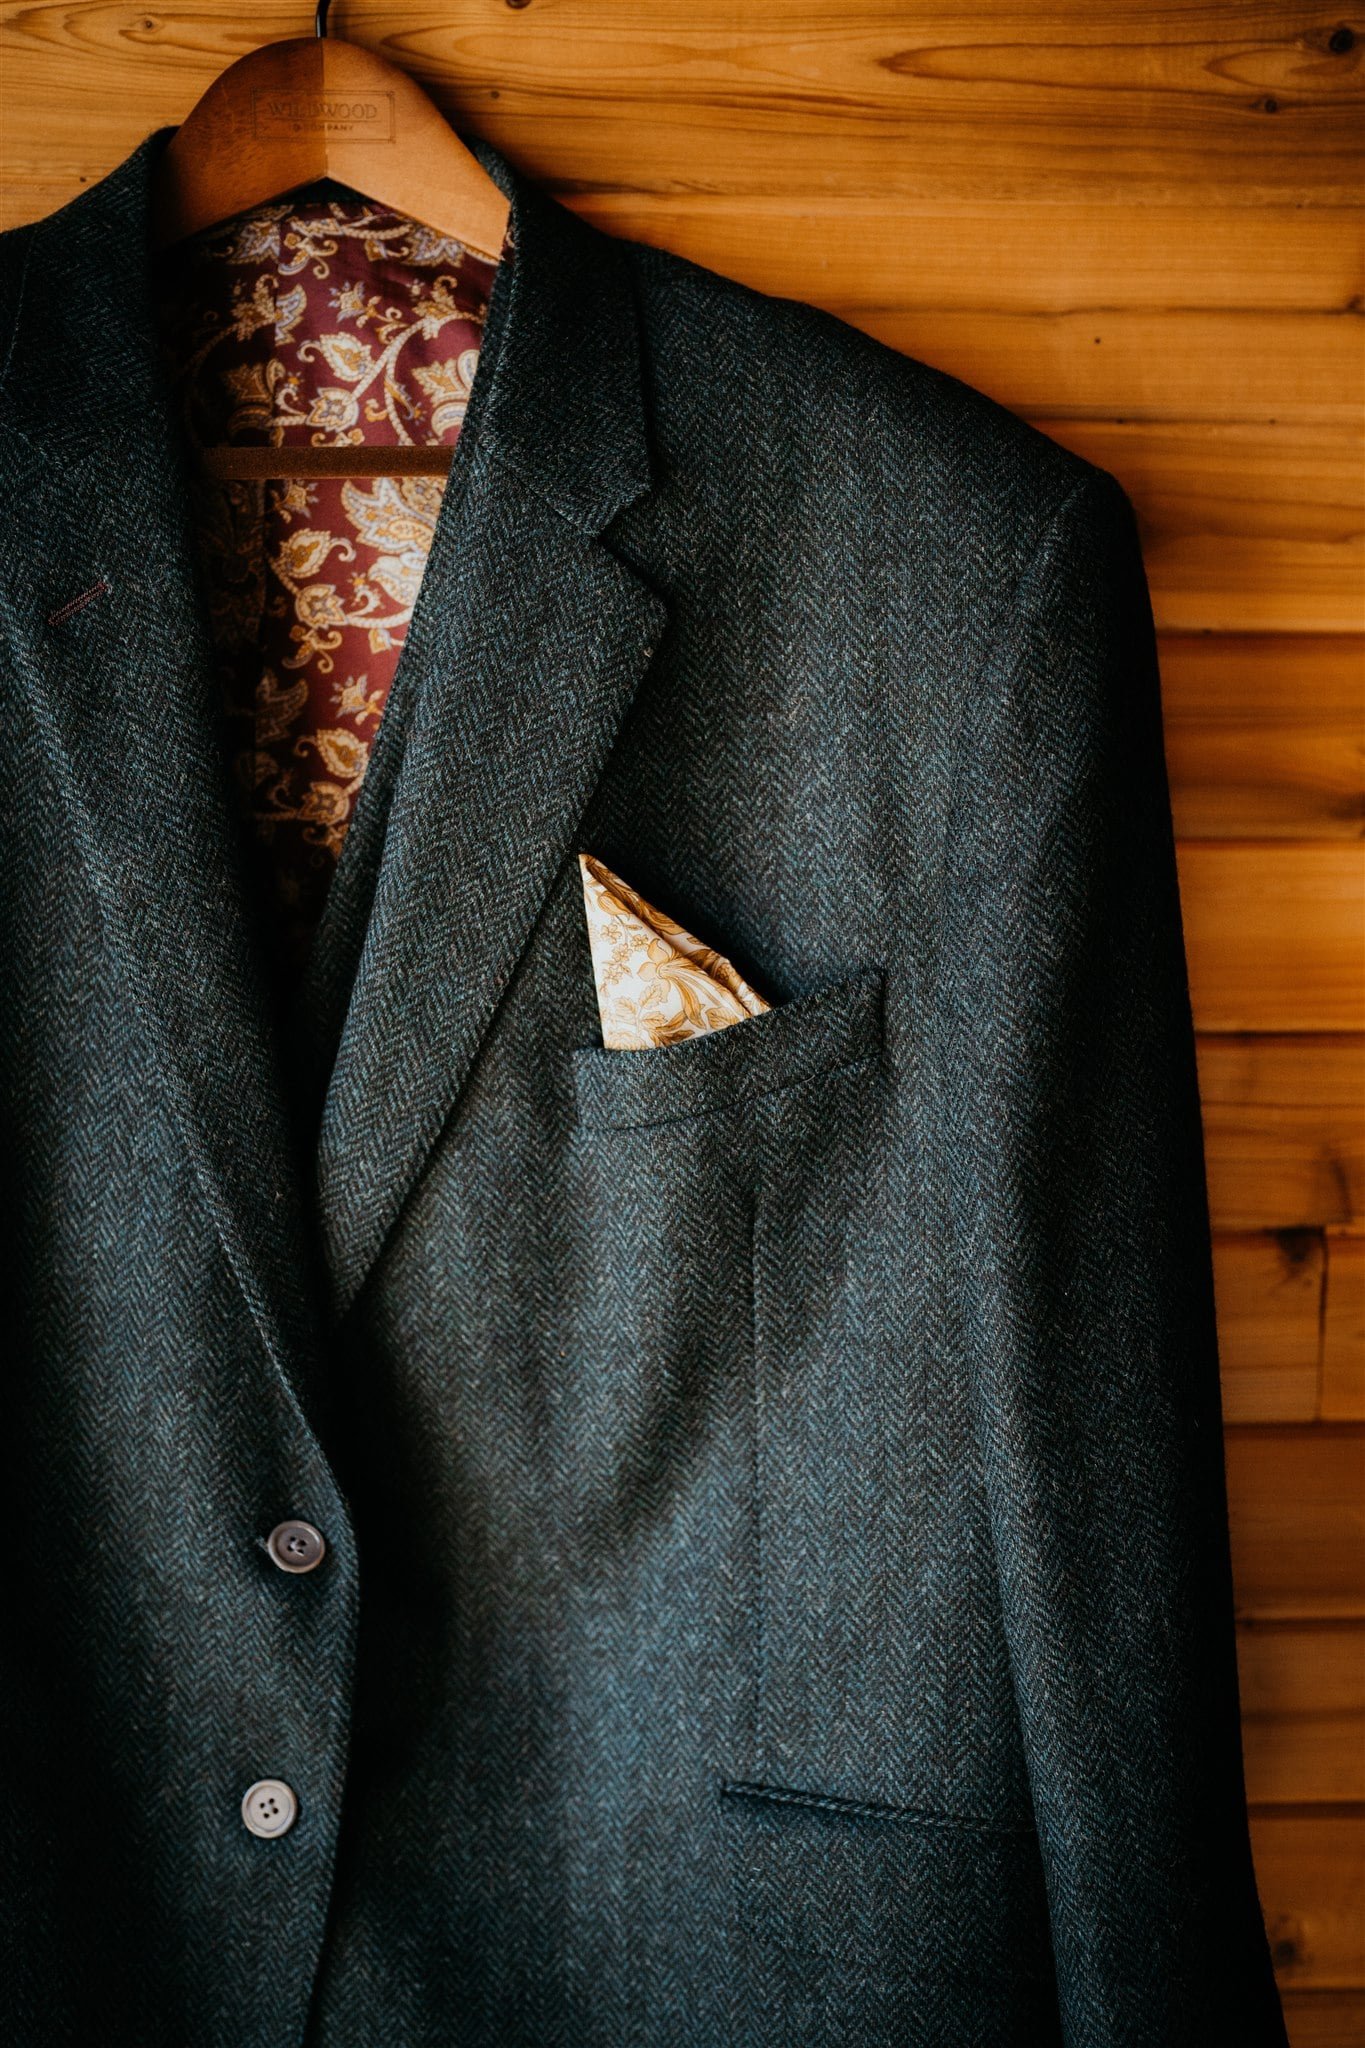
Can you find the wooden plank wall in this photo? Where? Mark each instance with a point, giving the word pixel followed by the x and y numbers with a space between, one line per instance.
pixel 1141 228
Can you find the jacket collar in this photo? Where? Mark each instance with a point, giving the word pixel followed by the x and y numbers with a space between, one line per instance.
pixel 528 641
pixel 563 402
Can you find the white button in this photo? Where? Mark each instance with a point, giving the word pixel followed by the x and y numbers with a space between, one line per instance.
pixel 269 1808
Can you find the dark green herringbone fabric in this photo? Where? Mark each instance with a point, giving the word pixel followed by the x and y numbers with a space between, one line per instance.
pixel 777 1591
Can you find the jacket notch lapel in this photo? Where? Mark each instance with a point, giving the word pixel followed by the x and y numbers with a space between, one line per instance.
pixel 534 633
pixel 531 637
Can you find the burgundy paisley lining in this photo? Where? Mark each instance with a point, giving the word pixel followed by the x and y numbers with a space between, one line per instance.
pixel 319 321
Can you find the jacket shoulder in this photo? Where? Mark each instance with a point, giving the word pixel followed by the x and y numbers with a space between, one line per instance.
pixel 16 246
pixel 751 357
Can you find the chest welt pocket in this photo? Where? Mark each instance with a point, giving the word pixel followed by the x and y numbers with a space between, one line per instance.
pixel 797 1041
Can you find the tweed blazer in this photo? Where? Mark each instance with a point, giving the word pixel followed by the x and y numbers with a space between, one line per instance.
pixel 776 1589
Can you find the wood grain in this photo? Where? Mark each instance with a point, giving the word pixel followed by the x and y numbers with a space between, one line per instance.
pixel 1303 1711
pixel 1343 1332
pixel 1265 734
pixel 1325 2019
pixel 1273 935
pixel 872 257
pixel 1311 1867
pixel 1241 105
pixel 1284 1137
pixel 1297 1508
pixel 1270 1288
pixel 1163 365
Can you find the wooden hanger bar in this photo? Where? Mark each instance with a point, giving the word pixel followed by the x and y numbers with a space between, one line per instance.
pixel 247 463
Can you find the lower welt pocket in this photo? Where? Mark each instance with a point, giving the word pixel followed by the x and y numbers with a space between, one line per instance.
pixel 838 1807
pixel 854 1920
pixel 811 1034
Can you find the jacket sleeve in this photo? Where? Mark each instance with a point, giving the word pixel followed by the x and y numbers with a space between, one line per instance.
pixel 1084 1274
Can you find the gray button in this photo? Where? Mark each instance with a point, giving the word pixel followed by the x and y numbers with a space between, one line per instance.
pixel 296 1546
pixel 269 1808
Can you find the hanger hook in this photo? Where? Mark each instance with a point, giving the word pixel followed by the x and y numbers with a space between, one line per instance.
pixel 320 18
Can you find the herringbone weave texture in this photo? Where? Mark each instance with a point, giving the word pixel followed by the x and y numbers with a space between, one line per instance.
pixel 777 1588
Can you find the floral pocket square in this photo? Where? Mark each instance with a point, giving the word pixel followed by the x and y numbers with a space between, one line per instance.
pixel 656 984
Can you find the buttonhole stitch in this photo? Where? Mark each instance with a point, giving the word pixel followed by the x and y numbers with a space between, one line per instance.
pixel 74 604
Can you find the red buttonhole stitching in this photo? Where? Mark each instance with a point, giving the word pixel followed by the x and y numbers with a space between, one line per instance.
pixel 74 604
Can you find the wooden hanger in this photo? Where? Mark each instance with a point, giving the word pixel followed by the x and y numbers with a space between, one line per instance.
pixel 319 107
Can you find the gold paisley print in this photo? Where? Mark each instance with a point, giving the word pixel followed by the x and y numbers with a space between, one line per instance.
pixel 656 983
